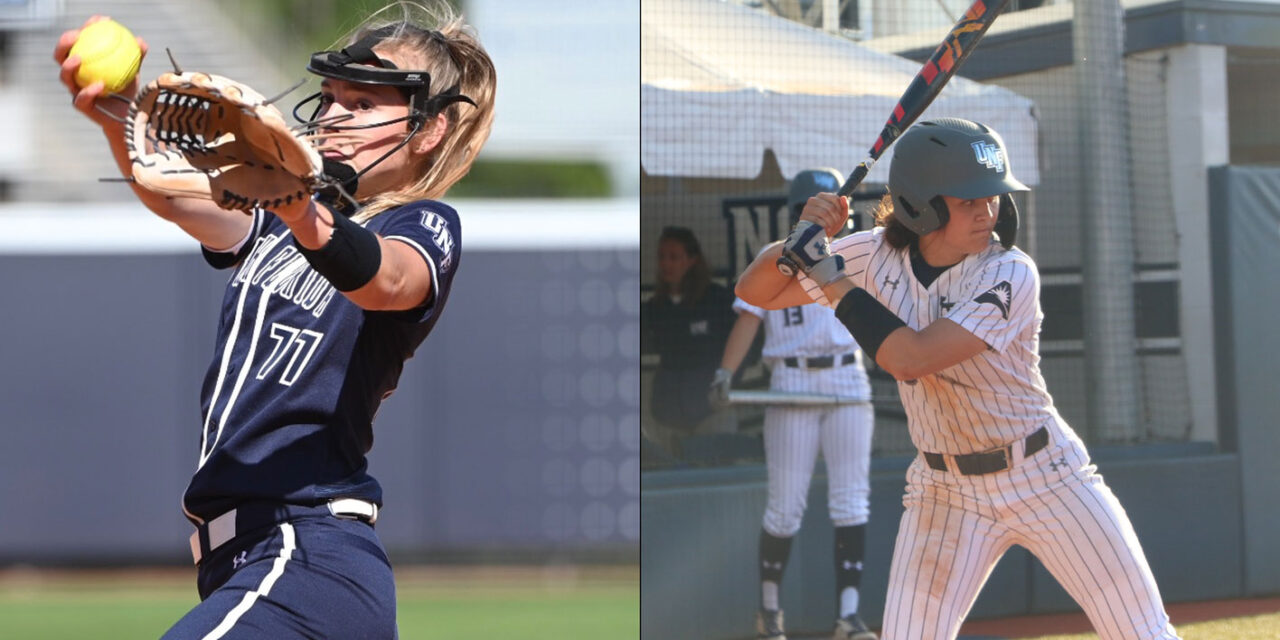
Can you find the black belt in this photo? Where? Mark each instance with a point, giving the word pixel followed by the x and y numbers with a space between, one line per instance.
pixel 820 362
pixel 251 516
pixel 976 464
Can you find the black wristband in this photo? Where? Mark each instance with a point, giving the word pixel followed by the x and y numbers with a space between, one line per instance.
pixel 350 259
pixel 868 320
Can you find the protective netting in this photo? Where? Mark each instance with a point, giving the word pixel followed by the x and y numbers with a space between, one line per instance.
pixel 738 97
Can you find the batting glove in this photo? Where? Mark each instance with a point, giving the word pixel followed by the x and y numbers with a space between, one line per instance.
pixel 830 269
pixel 804 248
pixel 720 385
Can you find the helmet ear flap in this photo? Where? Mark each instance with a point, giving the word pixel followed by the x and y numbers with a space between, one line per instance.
pixel 905 207
pixel 941 212
pixel 1007 222
pixel 926 220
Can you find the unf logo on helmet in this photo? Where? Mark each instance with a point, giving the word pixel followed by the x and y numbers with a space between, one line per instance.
pixel 989 155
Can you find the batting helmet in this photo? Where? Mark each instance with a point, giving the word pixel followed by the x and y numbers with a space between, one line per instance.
pixel 946 157
pixel 809 183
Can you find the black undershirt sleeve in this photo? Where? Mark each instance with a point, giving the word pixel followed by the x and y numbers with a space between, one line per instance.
pixel 867 320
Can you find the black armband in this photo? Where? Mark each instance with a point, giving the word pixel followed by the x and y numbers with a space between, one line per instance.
pixel 868 320
pixel 351 257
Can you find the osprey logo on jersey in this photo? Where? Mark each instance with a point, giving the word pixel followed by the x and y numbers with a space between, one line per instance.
pixel 1000 295
pixel 436 224
pixel 989 155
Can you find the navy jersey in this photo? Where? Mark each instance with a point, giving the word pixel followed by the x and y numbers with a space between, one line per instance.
pixel 688 335
pixel 299 370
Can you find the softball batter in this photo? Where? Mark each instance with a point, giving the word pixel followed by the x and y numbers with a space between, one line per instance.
pixel 809 351
pixel 953 313
pixel 325 302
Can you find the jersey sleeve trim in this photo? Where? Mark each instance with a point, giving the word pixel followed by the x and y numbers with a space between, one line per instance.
pixel 743 306
pixel 232 256
pixel 431 264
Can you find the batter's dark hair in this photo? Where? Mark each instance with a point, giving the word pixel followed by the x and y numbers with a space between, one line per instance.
pixel 695 280
pixel 895 233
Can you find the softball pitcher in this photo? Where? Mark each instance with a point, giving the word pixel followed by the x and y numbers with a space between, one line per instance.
pixel 938 296
pixel 325 302
pixel 807 350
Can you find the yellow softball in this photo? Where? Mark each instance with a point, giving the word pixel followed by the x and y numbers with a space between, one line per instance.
pixel 108 52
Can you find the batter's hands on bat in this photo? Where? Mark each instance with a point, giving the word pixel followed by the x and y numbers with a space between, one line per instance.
pixel 720 385
pixel 806 246
pixel 87 98
pixel 829 210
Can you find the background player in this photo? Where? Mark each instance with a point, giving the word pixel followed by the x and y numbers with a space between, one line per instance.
pixel 685 322
pixel 807 350
pixel 953 313
pixel 281 497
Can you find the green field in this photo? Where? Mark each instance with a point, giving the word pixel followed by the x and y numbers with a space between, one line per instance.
pixel 454 603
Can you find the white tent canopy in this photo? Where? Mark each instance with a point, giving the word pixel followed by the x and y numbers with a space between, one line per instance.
pixel 722 83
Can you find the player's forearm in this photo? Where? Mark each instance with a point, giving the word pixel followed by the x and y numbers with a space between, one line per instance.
pixel 375 273
pixel 903 352
pixel 908 354
pixel 762 285
pixel 739 341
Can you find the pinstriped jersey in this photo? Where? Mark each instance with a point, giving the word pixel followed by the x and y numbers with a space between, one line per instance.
pixel 987 401
pixel 299 370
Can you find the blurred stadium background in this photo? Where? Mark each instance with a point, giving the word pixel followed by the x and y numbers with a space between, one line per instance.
pixel 1144 129
pixel 513 440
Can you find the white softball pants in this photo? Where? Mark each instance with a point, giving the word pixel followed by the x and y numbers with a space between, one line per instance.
pixel 793 436
pixel 955 528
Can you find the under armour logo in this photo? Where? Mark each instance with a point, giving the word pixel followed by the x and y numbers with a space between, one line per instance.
pixel 776 566
pixel 1000 295
pixel 989 155
pixel 946 306
pixel 891 283
pixel 1060 462
pixel 240 560
pixel 846 565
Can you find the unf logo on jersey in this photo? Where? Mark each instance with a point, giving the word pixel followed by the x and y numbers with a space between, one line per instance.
pixel 1000 295
pixel 989 155
pixel 437 225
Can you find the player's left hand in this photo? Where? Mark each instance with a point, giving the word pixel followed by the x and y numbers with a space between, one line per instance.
pixel 720 385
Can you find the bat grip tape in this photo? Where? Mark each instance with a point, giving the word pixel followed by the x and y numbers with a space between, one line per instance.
pixel 351 257
pixel 867 320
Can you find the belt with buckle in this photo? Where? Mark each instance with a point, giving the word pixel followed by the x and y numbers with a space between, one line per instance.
pixel 250 516
pixel 819 362
pixel 976 464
